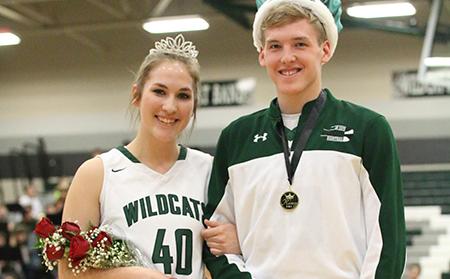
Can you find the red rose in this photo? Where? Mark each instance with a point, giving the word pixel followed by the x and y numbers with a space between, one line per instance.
pixel 102 235
pixel 78 249
pixel 70 230
pixel 53 254
pixel 44 228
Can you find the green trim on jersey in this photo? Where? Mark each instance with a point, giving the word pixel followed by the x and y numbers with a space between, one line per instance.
pixel 342 128
pixel 183 153
pixel 128 154
pixel 181 156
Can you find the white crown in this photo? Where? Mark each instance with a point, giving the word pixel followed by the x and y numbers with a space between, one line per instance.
pixel 177 46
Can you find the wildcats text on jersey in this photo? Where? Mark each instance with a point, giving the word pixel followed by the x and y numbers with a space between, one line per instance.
pixel 161 204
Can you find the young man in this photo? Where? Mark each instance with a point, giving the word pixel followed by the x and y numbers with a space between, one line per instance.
pixel 312 182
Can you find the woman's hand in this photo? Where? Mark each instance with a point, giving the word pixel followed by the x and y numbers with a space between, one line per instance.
pixel 221 238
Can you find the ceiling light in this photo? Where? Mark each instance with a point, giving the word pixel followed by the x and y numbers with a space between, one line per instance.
pixel 8 39
pixel 437 62
pixel 378 9
pixel 175 24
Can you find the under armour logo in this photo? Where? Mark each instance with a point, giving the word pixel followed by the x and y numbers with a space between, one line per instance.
pixel 258 137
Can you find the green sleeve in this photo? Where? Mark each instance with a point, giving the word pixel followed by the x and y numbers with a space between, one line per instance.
pixel 220 267
pixel 380 159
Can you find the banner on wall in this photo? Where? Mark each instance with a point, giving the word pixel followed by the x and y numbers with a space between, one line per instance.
pixel 436 83
pixel 227 92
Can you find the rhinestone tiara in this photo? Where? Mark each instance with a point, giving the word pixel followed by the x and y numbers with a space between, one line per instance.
pixel 177 46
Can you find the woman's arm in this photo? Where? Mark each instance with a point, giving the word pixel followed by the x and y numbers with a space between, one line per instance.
pixel 82 205
pixel 82 202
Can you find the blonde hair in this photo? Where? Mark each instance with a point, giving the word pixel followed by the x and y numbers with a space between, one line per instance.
pixel 288 13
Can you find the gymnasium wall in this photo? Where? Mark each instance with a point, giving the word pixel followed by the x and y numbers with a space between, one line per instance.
pixel 77 98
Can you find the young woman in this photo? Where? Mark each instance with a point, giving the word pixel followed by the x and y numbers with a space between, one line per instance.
pixel 152 191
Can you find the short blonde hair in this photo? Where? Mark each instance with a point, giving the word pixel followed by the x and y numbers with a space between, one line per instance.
pixel 288 13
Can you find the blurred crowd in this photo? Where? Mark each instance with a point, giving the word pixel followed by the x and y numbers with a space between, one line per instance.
pixel 19 259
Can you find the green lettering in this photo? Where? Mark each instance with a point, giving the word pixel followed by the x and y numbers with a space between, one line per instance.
pixel 187 208
pixel 131 213
pixel 149 207
pixel 163 207
pixel 161 252
pixel 173 209
pixel 203 211
pixel 196 204
pixel 143 213
pixel 184 236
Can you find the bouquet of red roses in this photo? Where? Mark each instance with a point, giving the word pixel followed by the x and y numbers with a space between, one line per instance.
pixel 94 248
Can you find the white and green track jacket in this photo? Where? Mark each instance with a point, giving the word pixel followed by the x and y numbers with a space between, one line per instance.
pixel 349 223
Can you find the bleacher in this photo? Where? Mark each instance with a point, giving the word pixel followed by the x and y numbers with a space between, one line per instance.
pixel 427 188
pixel 427 213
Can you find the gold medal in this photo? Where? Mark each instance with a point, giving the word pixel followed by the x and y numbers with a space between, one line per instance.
pixel 289 200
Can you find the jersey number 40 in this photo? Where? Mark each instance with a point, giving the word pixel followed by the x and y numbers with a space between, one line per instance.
pixel 161 252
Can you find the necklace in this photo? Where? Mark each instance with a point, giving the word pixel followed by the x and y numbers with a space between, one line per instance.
pixel 289 199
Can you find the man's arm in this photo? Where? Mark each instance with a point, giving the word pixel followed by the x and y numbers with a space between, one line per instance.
pixel 220 208
pixel 380 159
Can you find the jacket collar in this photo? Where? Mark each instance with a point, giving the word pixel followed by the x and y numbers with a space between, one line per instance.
pixel 274 111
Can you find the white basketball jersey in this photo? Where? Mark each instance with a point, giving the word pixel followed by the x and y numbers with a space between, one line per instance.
pixel 160 214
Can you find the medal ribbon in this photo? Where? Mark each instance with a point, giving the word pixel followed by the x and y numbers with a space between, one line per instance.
pixel 291 166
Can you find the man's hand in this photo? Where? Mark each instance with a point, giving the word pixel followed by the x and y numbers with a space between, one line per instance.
pixel 221 238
